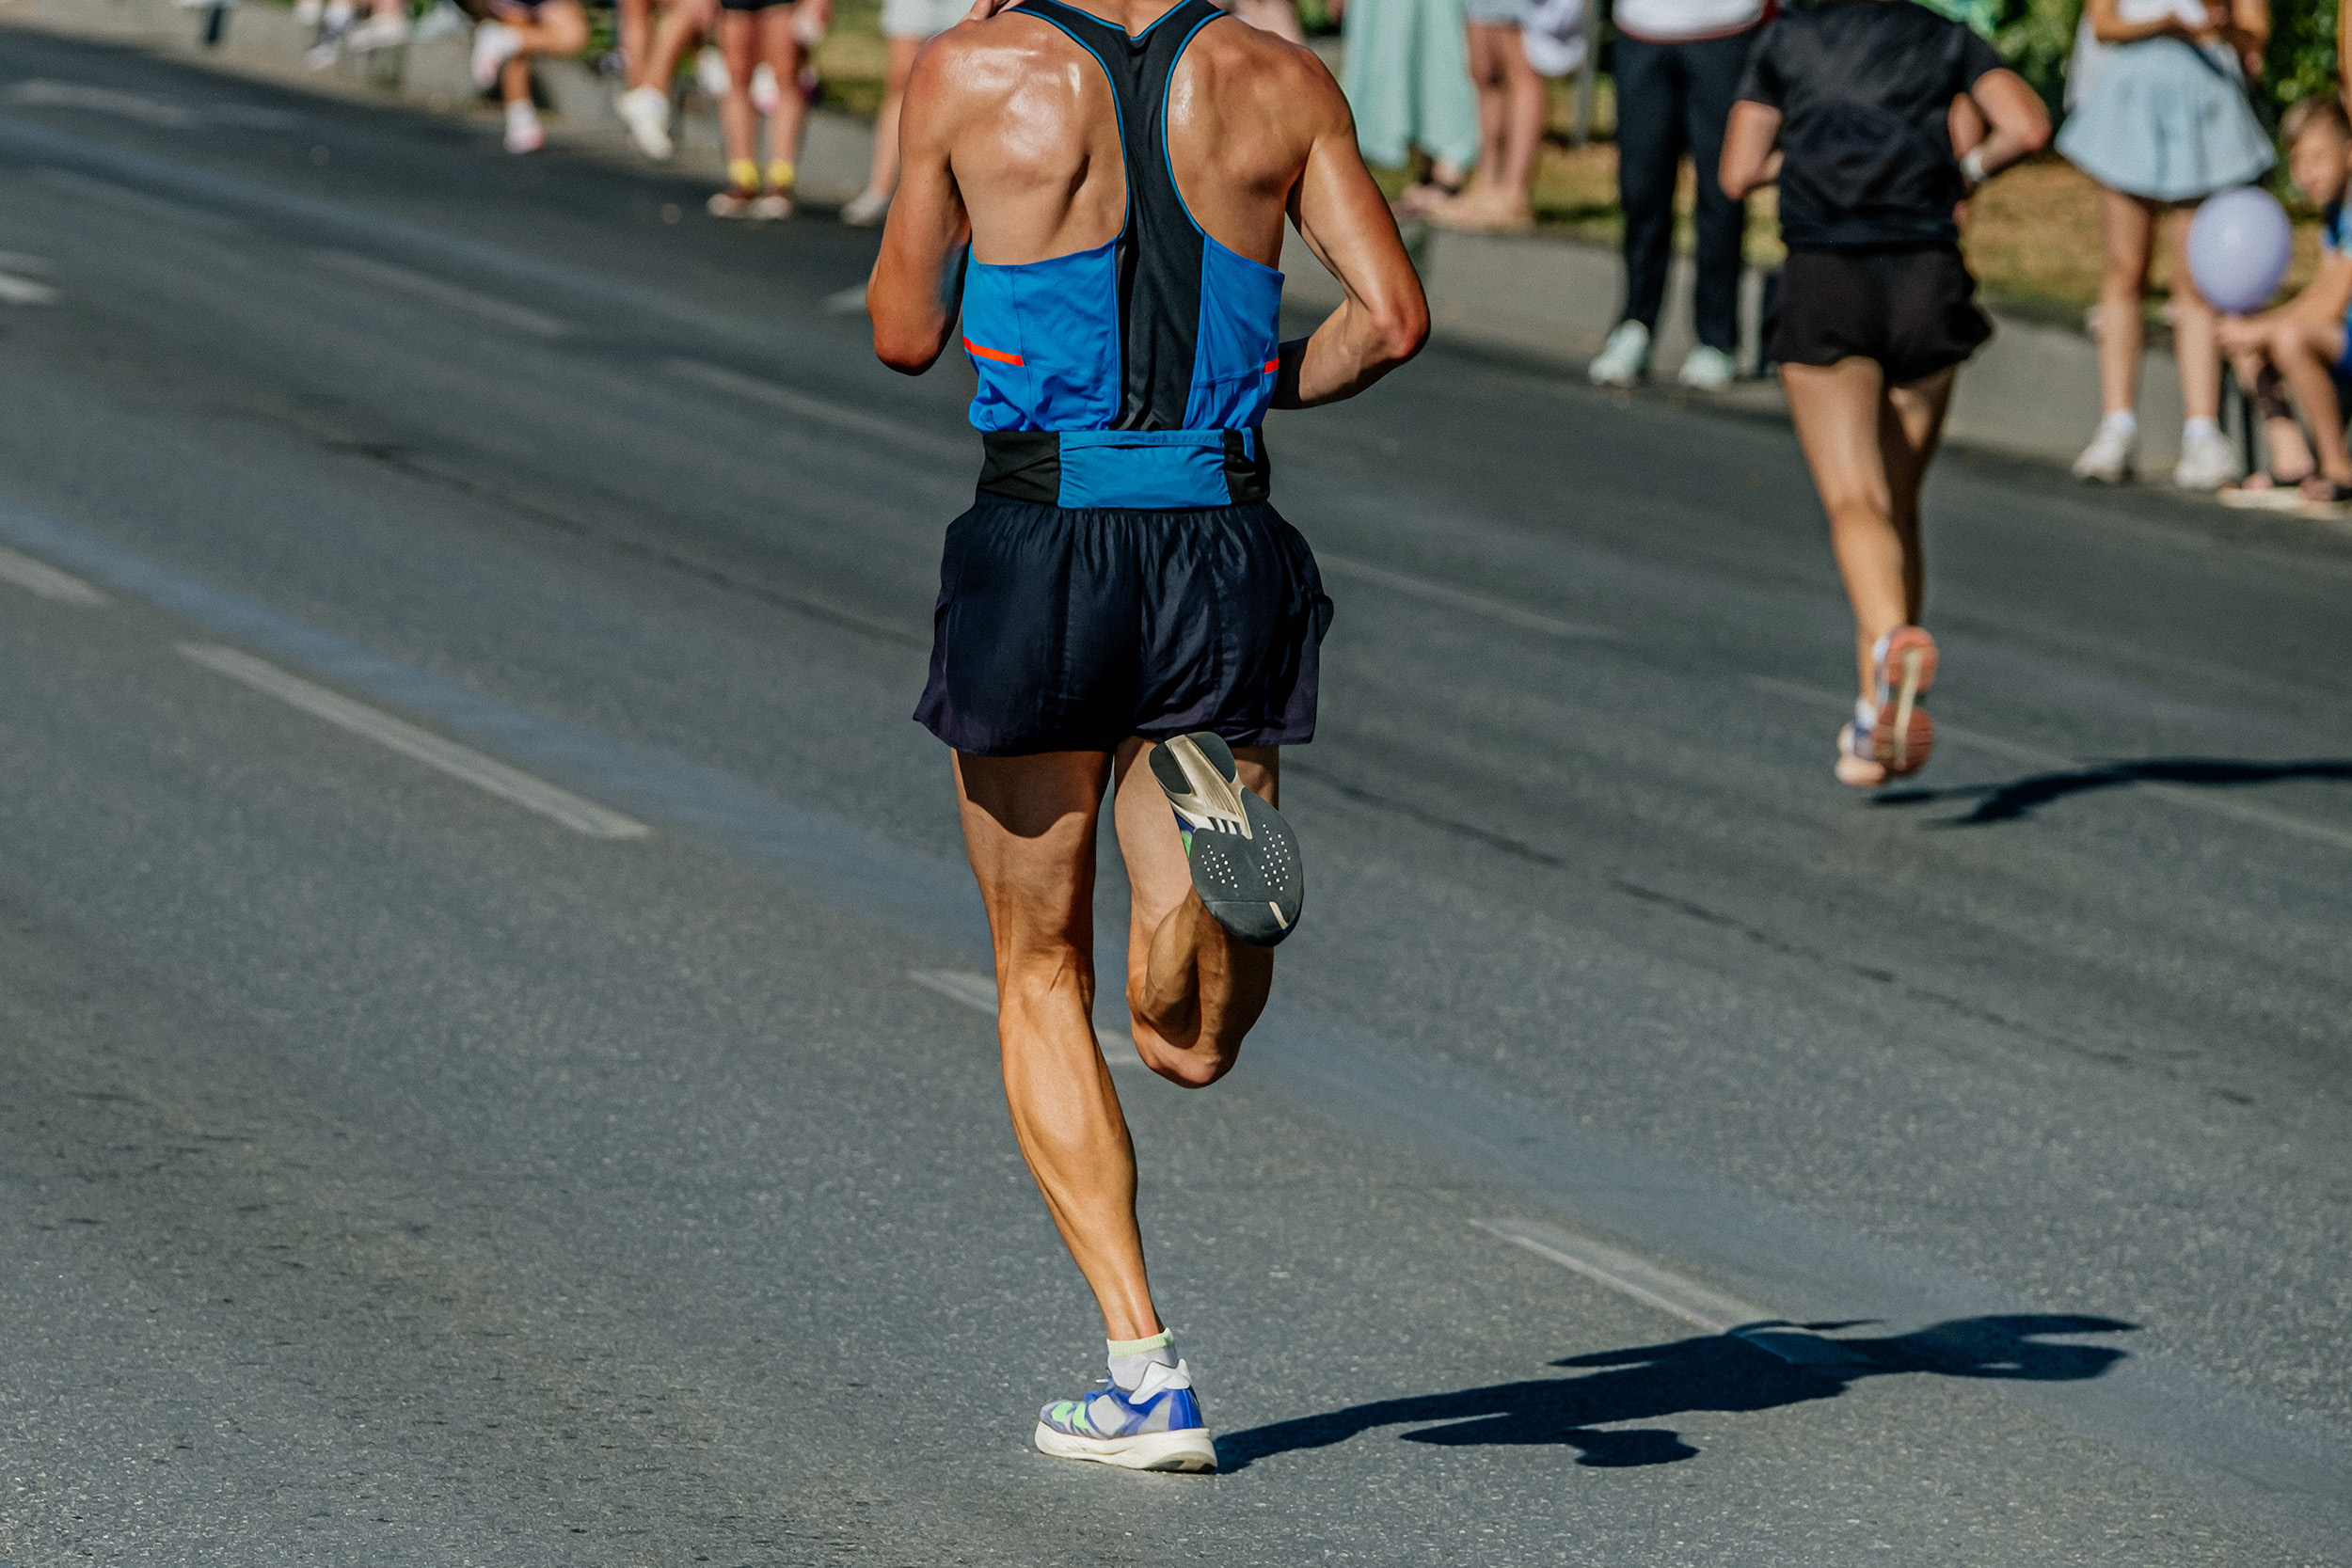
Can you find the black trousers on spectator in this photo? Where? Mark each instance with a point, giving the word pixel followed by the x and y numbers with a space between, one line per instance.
pixel 1672 99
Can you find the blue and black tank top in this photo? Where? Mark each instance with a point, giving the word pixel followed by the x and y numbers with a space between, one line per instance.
pixel 1136 374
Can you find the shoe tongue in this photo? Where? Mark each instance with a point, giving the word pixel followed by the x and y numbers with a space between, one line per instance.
pixel 1159 1378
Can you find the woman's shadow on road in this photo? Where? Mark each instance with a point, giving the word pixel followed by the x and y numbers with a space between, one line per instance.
pixel 1719 1371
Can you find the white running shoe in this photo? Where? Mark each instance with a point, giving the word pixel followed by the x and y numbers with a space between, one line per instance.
pixel 768 207
pixel 1707 370
pixel 867 209
pixel 323 53
pixel 2208 461
pixel 647 113
pixel 380 31
pixel 1624 358
pixel 523 130
pixel 494 44
pixel 711 73
pixel 2109 459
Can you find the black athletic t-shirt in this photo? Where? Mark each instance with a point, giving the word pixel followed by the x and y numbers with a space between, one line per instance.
pixel 1864 87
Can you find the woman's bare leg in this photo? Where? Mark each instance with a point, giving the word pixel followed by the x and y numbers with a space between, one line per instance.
pixel 1841 414
pixel 884 177
pixel 781 48
pixel 738 121
pixel 2195 344
pixel 2126 229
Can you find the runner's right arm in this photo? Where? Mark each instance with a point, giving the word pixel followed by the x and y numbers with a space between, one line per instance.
pixel 1345 221
pixel 914 294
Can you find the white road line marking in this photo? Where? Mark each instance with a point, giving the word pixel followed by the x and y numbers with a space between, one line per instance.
pixel 37 576
pixel 1459 599
pixel 138 202
pixel 719 378
pixel 974 991
pixel 458 762
pixel 1670 1292
pixel 2034 756
pixel 979 992
pixel 23 291
pixel 504 312
pixel 41 93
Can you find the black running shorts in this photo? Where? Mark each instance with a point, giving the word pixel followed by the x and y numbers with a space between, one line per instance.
pixel 1913 311
pixel 1068 630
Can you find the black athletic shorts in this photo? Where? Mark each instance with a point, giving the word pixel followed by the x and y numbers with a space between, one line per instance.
pixel 750 5
pixel 1069 630
pixel 1913 311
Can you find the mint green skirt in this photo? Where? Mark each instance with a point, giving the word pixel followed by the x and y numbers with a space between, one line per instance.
pixel 1408 79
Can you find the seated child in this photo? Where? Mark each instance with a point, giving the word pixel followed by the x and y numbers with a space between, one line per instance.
pixel 2303 343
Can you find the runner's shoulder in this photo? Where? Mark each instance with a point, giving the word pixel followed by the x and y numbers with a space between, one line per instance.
pixel 1290 79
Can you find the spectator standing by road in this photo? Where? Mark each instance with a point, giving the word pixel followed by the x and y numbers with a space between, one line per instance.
pixel 1407 77
pixel 754 33
pixel 1677 70
pixel 512 33
pixel 1511 111
pixel 2162 122
pixel 906 26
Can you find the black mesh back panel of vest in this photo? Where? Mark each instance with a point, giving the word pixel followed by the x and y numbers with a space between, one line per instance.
pixel 1159 253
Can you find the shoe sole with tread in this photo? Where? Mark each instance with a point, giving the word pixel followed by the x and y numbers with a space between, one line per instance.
pixel 1244 859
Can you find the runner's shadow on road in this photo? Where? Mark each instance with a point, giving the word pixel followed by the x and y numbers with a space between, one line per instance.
pixel 1717 1373
pixel 2007 802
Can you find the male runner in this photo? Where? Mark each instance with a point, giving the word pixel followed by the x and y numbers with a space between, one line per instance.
pixel 1121 590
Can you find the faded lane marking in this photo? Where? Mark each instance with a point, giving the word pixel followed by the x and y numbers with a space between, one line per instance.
pixel 458 762
pixel 37 576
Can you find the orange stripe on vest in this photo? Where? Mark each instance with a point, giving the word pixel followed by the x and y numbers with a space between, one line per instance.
pixel 997 353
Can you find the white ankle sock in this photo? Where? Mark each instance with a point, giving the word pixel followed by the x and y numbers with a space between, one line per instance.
pixel 2121 421
pixel 1132 1359
pixel 2197 430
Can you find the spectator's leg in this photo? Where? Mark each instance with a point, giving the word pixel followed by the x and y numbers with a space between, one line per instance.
pixel 2194 344
pixel 557 30
pixel 2291 460
pixel 1711 72
pixel 885 178
pixel 738 121
pixel 1648 153
pixel 781 48
pixel 682 23
pixel 515 81
pixel 1485 74
pixel 2126 226
pixel 633 23
pixel 2307 358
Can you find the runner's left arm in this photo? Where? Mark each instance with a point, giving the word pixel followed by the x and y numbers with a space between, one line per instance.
pixel 916 289
pixel 1346 222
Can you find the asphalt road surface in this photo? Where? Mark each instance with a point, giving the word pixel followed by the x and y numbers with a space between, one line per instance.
pixel 493 1067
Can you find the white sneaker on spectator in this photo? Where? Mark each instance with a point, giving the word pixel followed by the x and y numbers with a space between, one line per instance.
pixel 711 73
pixel 494 44
pixel 1624 358
pixel 523 132
pixel 647 113
pixel 1707 370
pixel 2110 458
pixel 867 209
pixel 323 53
pixel 379 31
pixel 2208 461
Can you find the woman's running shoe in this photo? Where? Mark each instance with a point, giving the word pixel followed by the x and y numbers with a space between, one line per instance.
pixel 1245 861
pixel 736 202
pixel 1891 736
pixel 524 132
pixel 770 206
pixel 1154 1426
